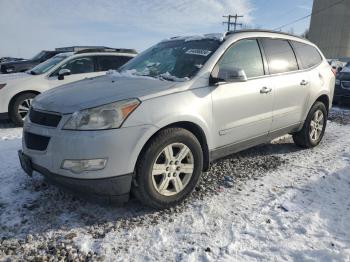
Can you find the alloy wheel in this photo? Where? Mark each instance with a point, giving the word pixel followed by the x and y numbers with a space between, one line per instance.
pixel 316 125
pixel 172 169
pixel 24 107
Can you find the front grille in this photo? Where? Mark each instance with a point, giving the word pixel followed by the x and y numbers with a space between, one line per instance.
pixel 345 84
pixel 44 118
pixel 36 142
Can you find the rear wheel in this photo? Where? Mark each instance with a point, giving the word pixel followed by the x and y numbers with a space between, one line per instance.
pixel 169 168
pixel 314 127
pixel 19 108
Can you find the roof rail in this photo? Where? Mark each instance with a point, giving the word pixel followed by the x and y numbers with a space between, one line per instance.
pixel 87 49
pixel 260 31
pixel 107 50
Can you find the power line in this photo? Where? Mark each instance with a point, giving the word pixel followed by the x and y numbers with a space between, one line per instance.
pixel 229 23
pixel 307 16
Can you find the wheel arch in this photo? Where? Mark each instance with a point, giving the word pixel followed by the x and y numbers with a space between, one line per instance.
pixel 324 99
pixel 12 100
pixel 195 129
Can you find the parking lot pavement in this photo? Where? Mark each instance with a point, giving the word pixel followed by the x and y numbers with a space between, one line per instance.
pixel 274 201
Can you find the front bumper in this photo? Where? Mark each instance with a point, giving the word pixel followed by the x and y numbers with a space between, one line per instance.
pixel 341 94
pixel 111 189
pixel 4 116
pixel 121 148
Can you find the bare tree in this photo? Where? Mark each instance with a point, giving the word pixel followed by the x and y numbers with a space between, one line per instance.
pixel 305 34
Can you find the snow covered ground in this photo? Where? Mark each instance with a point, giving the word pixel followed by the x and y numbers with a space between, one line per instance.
pixel 271 203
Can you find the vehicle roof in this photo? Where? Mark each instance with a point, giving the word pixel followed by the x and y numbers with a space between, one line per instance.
pixel 267 32
pixel 69 54
pixel 223 36
pixel 89 49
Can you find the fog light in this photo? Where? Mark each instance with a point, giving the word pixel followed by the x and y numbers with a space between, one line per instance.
pixel 337 82
pixel 78 166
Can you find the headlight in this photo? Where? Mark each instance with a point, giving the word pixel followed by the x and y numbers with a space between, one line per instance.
pixel 2 86
pixel 103 117
pixel 337 82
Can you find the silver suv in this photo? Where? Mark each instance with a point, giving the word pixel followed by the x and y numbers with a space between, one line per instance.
pixel 153 126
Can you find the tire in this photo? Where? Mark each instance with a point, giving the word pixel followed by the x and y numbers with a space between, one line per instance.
pixel 305 138
pixel 162 190
pixel 21 101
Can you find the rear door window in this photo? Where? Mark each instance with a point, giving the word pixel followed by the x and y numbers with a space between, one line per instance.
pixel 307 55
pixel 111 62
pixel 280 55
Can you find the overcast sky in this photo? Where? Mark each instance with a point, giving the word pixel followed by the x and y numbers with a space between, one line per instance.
pixel 28 26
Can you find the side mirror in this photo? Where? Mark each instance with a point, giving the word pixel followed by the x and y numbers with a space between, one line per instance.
pixel 339 69
pixel 227 75
pixel 62 73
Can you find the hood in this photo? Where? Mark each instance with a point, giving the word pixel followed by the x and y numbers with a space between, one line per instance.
pixel 93 92
pixel 8 78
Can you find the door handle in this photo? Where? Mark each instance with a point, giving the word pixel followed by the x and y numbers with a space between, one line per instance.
pixel 304 83
pixel 265 90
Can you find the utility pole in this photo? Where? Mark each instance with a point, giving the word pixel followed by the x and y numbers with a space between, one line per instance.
pixel 229 23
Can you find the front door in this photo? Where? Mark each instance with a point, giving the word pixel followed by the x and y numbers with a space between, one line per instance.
pixel 80 68
pixel 243 110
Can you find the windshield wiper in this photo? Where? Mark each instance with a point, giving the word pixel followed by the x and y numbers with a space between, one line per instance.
pixel 152 76
pixel 166 77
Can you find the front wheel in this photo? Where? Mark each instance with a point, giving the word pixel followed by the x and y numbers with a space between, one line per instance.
pixel 314 127
pixel 19 108
pixel 169 168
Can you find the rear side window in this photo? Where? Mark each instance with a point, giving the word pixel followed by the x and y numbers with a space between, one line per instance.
pixel 280 55
pixel 307 55
pixel 246 55
pixel 111 62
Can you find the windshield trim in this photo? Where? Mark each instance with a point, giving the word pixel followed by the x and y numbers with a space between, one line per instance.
pixel 48 72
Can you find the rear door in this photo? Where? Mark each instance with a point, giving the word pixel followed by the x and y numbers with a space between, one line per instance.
pixel 243 110
pixel 310 61
pixel 291 85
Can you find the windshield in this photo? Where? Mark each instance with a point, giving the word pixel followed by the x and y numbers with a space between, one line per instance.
pixel 38 56
pixel 47 65
pixel 174 60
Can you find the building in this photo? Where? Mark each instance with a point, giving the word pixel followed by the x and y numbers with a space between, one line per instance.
pixel 330 27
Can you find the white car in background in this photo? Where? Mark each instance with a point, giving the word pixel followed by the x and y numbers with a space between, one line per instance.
pixel 18 90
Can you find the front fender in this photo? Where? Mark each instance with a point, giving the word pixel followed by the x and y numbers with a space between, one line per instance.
pixel 13 89
pixel 194 106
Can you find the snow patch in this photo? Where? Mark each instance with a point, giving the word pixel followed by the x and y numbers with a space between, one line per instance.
pixel 297 211
pixel 216 36
pixel 127 74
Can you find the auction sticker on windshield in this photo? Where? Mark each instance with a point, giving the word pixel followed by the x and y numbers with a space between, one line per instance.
pixel 201 52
